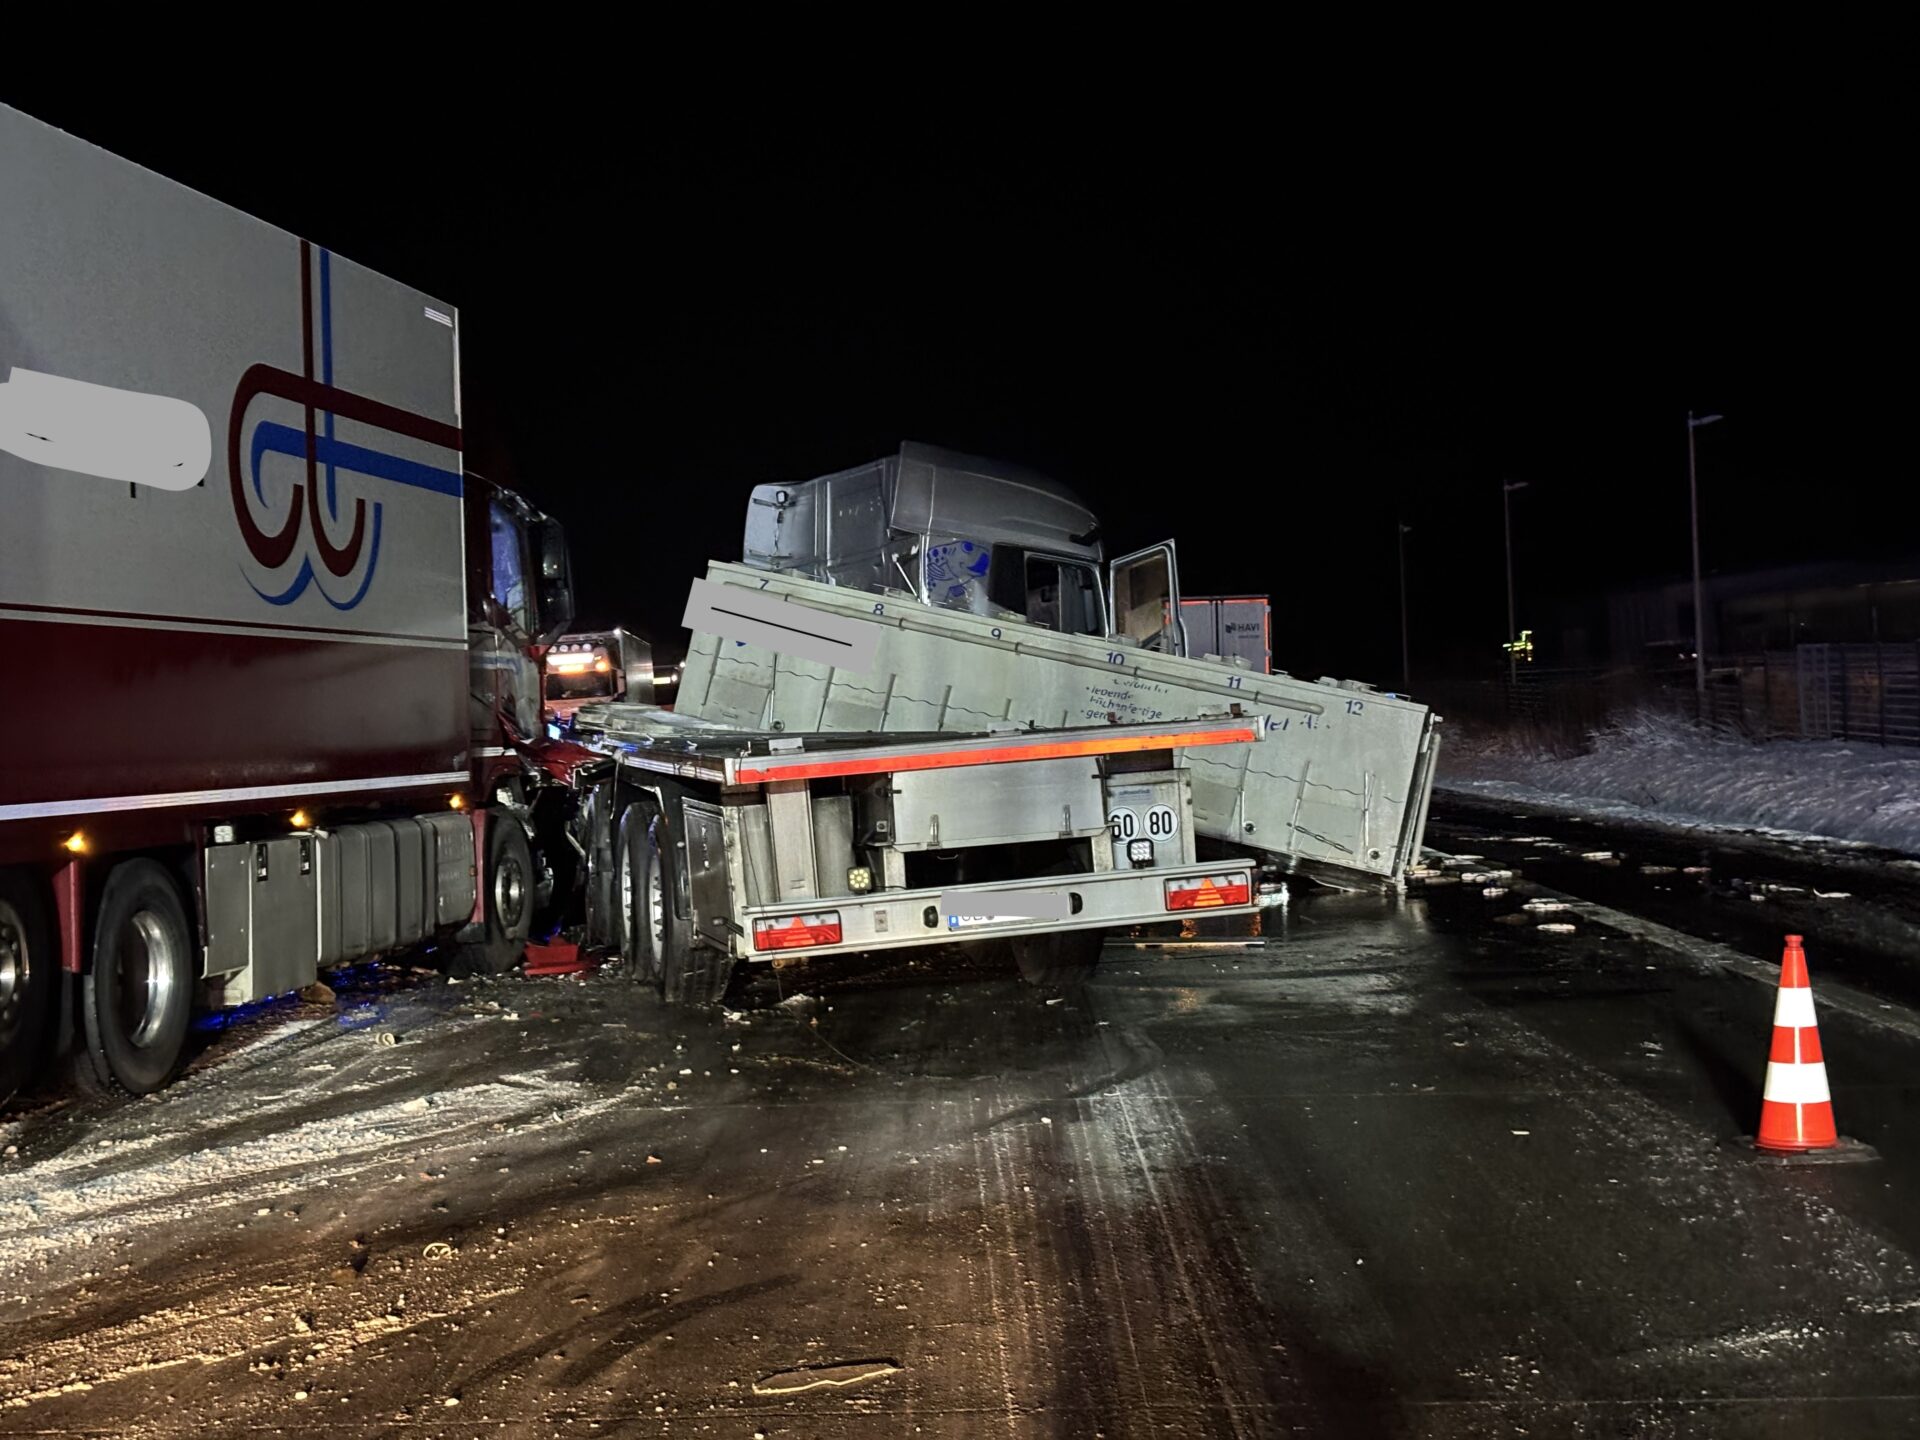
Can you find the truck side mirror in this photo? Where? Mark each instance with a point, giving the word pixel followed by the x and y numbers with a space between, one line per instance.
pixel 556 579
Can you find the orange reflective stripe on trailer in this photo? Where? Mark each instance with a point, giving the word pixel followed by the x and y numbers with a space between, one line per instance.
pixel 751 771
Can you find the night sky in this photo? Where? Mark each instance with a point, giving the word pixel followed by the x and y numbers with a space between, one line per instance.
pixel 1264 333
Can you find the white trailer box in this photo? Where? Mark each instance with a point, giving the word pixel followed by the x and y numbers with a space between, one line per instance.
pixel 1237 628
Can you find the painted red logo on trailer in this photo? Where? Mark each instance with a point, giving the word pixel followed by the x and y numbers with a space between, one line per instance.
pixel 345 569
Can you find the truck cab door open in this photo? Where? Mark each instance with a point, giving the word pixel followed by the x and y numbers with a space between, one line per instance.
pixel 1143 599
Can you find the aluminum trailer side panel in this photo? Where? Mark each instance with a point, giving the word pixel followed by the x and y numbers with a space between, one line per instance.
pixel 1339 782
pixel 295 621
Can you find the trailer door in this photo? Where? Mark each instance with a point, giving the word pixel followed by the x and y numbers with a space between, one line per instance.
pixel 1143 599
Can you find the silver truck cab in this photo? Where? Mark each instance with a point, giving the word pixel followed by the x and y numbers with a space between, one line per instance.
pixel 966 533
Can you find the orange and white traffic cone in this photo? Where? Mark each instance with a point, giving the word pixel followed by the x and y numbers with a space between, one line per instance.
pixel 1796 1114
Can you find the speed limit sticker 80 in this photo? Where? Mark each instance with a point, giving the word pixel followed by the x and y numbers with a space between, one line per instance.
pixel 1159 823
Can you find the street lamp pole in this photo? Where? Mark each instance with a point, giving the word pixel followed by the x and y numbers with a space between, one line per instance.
pixel 1406 651
pixel 1699 590
pixel 1507 487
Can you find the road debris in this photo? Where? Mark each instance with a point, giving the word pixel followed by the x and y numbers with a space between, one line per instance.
pixel 818 1377
pixel 318 993
pixel 1555 927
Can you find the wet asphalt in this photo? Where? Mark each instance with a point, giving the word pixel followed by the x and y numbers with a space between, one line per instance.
pixel 1397 1167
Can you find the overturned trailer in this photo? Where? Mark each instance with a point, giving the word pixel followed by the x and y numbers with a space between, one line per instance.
pixel 988 598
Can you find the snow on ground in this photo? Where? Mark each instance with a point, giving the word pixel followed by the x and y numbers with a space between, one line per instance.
pixel 1659 767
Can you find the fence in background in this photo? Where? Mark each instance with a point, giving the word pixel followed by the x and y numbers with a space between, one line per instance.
pixel 1864 692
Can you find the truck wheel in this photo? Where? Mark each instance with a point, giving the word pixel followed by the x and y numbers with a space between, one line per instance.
pixel 660 939
pixel 26 981
pixel 638 891
pixel 137 996
pixel 1060 957
pixel 509 899
pixel 665 954
pixel 602 887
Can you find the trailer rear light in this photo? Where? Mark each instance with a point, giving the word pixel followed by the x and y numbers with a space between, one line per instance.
pixel 75 844
pixel 797 932
pixel 1206 892
pixel 300 820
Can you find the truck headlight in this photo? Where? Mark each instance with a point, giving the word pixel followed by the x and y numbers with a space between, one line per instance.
pixel 1140 854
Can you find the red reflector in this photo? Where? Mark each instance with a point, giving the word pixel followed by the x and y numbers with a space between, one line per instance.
pixel 796 932
pixel 1205 892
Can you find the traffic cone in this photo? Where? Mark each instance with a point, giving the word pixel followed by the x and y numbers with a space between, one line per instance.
pixel 1796 1114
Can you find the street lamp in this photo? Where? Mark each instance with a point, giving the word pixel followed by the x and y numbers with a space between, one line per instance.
pixel 1699 598
pixel 1507 487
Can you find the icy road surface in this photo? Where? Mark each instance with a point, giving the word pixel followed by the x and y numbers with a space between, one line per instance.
pixel 1403 1168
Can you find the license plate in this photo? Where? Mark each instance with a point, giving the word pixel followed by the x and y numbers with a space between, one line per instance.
pixel 964 922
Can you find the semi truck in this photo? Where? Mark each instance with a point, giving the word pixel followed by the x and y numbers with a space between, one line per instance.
pixel 989 597
pixel 233 496
pixel 592 668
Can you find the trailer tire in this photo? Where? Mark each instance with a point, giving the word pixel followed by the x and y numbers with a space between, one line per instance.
pixel 601 892
pixel 660 937
pixel 1061 958
pixel 636 891
pixel 665 953
pixel 137 995
pixel 509 901
pixel 28 979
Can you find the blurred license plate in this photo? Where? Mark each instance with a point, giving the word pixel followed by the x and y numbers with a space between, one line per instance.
pixel 963 922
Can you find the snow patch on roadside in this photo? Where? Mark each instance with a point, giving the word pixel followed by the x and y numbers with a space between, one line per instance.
pixel 1655 767
pixel 46 1208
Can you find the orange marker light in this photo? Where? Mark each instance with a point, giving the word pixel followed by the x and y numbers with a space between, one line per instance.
pixel 300 820
pixel 458 802
pixel 75 843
